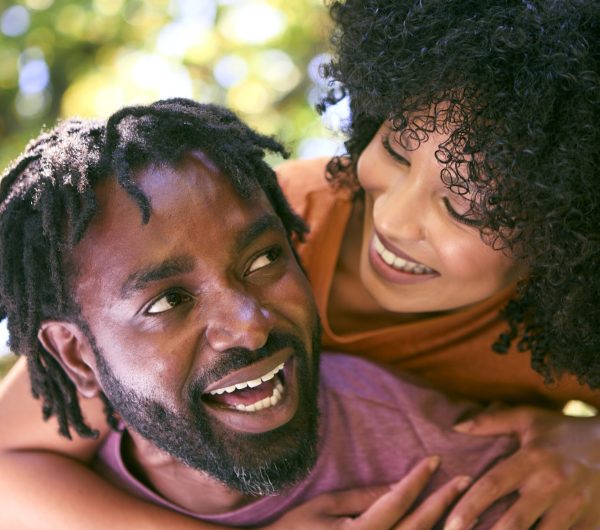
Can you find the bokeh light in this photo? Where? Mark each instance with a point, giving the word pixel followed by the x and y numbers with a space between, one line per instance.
pixel 108 7
pixel 34 76
pixel 3 339
pixel 253 23
pixel 230 70
pixel 38 5
pixel 90 57
pixel 14 21
pixel 277 68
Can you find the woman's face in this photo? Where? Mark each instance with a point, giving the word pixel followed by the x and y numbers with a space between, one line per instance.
pixel 419 252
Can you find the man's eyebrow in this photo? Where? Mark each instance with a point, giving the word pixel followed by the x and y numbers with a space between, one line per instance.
pixel 140 279
pixel 266 223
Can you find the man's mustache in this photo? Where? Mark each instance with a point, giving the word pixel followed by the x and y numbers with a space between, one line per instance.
pixel 237 358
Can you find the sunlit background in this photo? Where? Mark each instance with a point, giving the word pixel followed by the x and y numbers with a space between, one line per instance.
pixel 261 58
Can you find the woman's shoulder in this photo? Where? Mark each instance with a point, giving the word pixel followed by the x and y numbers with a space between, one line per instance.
pixel 306 187
pixel 300 177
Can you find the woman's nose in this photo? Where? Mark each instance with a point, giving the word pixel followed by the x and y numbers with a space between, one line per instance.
pixel 400 212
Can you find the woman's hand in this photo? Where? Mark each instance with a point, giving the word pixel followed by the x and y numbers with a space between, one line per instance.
pixel 556 472
pixel 378 508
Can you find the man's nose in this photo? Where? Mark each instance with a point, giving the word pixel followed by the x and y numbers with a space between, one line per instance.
pixel 237 320
pixel 400 213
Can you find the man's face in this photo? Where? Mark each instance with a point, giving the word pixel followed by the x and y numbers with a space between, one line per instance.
pixel 203 327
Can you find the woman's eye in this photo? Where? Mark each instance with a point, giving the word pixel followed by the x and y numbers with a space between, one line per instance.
pixel 265 259
pixel 394 154
pixel 167 302
pixel 461 218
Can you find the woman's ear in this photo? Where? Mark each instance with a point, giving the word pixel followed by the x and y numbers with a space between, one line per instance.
pixel 71 348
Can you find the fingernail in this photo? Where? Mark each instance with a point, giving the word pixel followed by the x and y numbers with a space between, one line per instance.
pixel 433 463
pixel 464 426
pixel 463 483
pixel 457 524
pixel 454 524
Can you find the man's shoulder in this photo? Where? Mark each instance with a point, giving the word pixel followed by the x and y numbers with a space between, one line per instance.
pixel 349 373
pixel 379 386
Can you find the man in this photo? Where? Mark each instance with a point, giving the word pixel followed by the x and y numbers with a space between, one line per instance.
pixel 148 260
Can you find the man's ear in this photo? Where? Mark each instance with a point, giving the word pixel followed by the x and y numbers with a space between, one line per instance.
pixel 72 350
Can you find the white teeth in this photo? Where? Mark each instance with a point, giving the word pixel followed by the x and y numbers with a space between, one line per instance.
pixel 399 263
pixel 252 383
pixel 388 257
pixel 267 402
pixel 268 376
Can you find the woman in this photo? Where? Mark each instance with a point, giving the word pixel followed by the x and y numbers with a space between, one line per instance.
pixel 473 234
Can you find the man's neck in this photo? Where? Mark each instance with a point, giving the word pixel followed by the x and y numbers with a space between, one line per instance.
pixel 188 488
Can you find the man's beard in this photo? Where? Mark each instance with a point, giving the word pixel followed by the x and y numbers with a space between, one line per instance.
pixel 251 463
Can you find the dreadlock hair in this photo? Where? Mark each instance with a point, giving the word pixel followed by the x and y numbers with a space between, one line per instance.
pixel 515 84
pixel 47 201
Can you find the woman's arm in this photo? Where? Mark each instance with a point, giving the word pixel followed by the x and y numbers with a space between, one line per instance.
pixel 50 491
pixel 24 429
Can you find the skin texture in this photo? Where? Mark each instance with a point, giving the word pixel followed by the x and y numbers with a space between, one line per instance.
pixel 518 115
pixel 556 472
pixel 553 461
pixel 561 456
pixel 528 65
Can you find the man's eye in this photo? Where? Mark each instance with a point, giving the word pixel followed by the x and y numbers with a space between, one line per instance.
pixel 265 259
pixel 167 302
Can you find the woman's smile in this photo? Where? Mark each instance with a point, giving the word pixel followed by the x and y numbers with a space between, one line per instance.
pixel 397 259
pixel 396 269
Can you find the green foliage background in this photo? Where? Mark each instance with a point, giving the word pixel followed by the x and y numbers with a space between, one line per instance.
pixel 103 54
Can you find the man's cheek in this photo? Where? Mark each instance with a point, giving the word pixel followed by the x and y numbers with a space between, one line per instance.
pixel 295 298
pixel 138 364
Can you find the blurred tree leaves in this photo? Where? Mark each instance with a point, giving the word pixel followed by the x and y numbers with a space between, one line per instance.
pixel 89 57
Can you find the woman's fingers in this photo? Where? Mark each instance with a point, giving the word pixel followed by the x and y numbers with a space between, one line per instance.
pixel 386 511
pixel 432 509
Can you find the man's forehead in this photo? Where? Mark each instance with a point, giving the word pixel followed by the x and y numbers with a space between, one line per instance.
pixel 194 174
pixel 196 169
pixel 193 206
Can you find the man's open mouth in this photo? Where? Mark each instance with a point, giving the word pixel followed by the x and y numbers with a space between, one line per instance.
pixel 262 385
pixel 251 395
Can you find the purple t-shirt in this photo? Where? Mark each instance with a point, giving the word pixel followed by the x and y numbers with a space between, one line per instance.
pixel 375 426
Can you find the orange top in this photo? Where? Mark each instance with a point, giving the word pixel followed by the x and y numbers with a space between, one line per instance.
pixel 452 351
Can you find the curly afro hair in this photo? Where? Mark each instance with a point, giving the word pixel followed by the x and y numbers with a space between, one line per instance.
pixel 515 84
